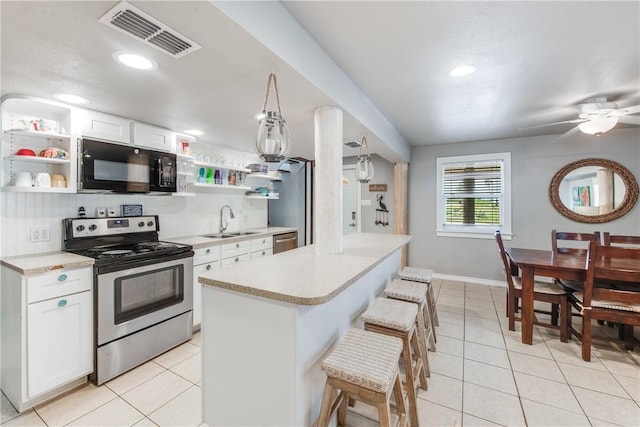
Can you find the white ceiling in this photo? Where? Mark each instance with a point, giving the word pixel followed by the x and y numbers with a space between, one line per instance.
pixel 536 61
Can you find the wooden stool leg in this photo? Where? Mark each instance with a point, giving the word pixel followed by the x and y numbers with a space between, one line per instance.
pixel 554 314
pixel 411 386
pixel 342 410
pixel 325 409
pixel 586 335
pixel 398 393
pixel 432 306
pixel 419 368
pixel 422 342
pixel 564 315
pixel 429 326
pixel 384 414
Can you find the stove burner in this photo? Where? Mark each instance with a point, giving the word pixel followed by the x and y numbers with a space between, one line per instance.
pixel 153 246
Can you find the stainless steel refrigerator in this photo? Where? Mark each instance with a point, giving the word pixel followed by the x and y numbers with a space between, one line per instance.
pixel 294 206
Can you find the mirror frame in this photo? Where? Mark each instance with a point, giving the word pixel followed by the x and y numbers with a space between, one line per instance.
pixel 629 201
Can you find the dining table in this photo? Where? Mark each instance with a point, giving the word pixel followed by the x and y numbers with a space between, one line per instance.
pixel 568 266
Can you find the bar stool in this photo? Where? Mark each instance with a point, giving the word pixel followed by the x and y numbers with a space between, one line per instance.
pixel 364 366
pixel 416 293
pixel 423 275
pixel 399 319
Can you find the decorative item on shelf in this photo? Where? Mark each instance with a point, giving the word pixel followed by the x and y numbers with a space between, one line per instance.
pixel 364 165
pixel 54 153
pixel 258 168
pixel 273 140
pixel 25 152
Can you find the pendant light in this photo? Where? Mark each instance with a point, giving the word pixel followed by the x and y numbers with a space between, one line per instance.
pixel 273 141
pixel 364 165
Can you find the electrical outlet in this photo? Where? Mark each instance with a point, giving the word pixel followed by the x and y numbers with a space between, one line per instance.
pixel 100 213
pixel 111 212
pixel 39 234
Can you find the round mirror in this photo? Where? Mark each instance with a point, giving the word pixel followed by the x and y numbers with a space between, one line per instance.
pixel 593 190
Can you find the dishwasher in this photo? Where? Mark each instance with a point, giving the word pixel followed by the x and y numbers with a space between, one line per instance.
pixel 285 242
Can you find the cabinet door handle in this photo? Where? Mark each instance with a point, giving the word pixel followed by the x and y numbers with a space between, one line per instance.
pixel 62 303
pixel 208 250
pixel 237 259
pixel 62 278
pixel 208 267
pixel 264 253
pixel 237 245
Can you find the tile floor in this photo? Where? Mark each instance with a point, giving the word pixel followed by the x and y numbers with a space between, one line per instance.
pixel 482 375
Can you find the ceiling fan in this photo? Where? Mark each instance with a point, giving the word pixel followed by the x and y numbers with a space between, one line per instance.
pixel 597 116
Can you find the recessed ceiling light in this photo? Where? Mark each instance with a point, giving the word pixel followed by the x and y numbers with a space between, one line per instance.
pixel 71 99
pixel 462 70
pixel 134 60
pixel 194 132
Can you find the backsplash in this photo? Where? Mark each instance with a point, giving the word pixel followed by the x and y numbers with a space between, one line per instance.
pixel 178 216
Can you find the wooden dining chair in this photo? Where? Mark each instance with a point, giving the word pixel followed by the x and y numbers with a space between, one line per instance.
pixel 572 248
pixel 605 302
pixel 620 240
pixel 542 291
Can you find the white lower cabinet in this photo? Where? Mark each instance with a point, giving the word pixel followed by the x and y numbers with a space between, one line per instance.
pixel 204 260
pixel 47 333
pixel 233 253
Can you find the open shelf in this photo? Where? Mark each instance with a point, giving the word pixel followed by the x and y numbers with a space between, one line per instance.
pixel 37 134
pixel 220 166
pixel 263 176
pixel 224 186
pixel 15 189
pixel 36 159
pixel 262 197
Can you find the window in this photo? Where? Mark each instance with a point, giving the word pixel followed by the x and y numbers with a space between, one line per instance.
pixel 474 195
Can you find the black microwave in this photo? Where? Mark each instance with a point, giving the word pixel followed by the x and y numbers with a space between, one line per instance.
pixel 116 168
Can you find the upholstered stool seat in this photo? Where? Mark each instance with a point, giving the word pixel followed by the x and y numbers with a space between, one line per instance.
pixel 399 319
pixel 423 275
pixel 364 366
pixel 416 292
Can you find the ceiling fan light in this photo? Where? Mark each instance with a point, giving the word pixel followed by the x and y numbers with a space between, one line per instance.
pixel 598 126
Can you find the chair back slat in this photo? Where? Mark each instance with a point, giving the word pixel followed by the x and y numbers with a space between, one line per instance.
pixel 612 263
pixel 574 237
pixel 505 261
pixel 620 240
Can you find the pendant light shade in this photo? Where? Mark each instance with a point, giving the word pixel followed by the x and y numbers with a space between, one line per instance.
pixel 273 141
pixel 364 165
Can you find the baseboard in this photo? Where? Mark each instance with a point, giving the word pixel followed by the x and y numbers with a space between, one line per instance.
pixel 476 280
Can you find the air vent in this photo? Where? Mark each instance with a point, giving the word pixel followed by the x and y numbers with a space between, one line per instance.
pixel 352 144
pixel 137 24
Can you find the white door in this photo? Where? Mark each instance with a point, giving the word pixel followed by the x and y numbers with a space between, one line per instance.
pixel 350 200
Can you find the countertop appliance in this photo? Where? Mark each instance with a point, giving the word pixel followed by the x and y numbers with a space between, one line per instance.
pixel 285 242
pixel 294 205
pixel 105 167
pixel 143 289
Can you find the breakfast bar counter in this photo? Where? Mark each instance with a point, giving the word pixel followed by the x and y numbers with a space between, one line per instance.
pixel 268 325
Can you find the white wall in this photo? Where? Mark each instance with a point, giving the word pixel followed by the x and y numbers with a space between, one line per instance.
pixel 534 162
pixel 178 216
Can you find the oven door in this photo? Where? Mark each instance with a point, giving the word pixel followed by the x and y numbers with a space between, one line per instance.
pixel 109 167
pixel 130 300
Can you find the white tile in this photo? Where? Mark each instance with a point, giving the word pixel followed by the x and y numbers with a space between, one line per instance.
pixel 483 336
pixel 196 339
pixel 592 379
pixel 478 288
pixel 608 408
pixel 71 406
pixel 184 410
pixel 154 393
pixel 571 353
pixel 471 421
pixel 489 376
pixel 538 414
pixel 492 405
pixel 631 385
pixel 601 423
pixel 491 325
pixel 28 419
pixel 369 415
pixel 8 411
pixel 433 415
pixel 446 364
pixel 449 330
pixel 537 366
pixel 486 354
pixel 545 391
pixel 537 348
pixel 135 377
pixel 453 318
pixel 481 303
pixel 114 413
pixel 443 390
pixel 190 369
pixel 452 300
pixel 177 355
pixel 619 362
pixel 480 313
pixel 450 345
pixel 145 422
pixel 455 309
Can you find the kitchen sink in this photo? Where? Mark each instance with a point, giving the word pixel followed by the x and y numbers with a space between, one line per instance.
pixel 219 235
pixel 243 233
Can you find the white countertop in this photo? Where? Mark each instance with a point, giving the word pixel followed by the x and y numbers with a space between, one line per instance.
pixel 42 263
pixel 301 276
pixel 199 241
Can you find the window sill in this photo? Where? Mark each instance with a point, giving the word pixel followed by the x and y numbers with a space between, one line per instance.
pixel 473 235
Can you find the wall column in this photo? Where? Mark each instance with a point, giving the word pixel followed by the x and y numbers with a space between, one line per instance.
pixel 328 179
pixel 400 204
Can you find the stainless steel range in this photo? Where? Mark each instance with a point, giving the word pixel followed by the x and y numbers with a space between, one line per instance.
pixel 143 293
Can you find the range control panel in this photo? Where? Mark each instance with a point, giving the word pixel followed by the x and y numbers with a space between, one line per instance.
pixel 88 227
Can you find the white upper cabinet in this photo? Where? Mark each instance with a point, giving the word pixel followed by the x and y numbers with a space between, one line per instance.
pixel 104 126
pixel 153 137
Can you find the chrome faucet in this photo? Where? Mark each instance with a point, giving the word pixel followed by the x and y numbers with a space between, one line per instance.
pixel 226 224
